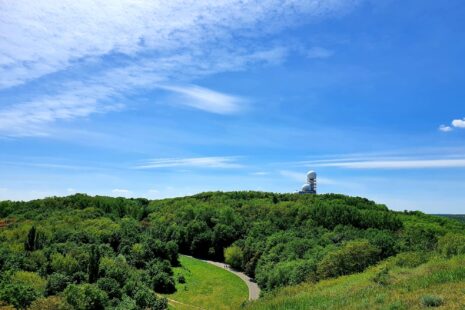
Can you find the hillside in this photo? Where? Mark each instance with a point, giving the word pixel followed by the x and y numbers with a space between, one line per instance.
pixel 87 252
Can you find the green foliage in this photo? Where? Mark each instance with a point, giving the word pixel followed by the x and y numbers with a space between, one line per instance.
pixel 49 303
pixel 352 257
pixel 431 301
pixel 451 244
pixel 128 247
pixel 18 294
pixel 94 261
pixel 161 276
pixel 181 279
pixel 30 279
pixel 410 259
pixel 86 297
pixel 233 256
pixel 56 283
pixel 110 286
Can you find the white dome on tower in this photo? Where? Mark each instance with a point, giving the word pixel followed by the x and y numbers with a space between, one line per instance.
pixel 311 175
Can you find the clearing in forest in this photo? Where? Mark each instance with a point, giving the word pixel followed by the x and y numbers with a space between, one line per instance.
pixel 206 287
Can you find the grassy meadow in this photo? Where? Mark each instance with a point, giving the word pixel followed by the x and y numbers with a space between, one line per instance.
pixel 206 287
pixel 394 284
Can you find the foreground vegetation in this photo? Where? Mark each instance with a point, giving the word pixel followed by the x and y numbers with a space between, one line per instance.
pixel 82 252
pixel 394 284
pixel 205 286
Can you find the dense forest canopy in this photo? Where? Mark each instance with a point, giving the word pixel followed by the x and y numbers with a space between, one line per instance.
pixel 85 252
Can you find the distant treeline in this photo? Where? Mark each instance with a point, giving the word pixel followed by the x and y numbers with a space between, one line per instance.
pixel 459 217
pixel 119 251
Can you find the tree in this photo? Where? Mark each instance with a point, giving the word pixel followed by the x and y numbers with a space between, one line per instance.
pixel 56 283
pixel 86 297
pixel 233 256
pixel 18 294
pixel 161 276
pixel 34 240
pixel 94 261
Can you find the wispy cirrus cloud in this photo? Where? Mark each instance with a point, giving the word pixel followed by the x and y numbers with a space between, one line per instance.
pixel 206 99
pixel 411 163
pixel 192 162
pixel 150 43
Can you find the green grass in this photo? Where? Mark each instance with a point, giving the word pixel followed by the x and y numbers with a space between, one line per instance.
pixel 439 283
pixel 206 287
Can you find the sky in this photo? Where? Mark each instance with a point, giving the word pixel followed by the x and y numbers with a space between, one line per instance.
pixel 158 99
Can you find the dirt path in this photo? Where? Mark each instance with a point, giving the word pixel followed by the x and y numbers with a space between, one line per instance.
pixel 254 290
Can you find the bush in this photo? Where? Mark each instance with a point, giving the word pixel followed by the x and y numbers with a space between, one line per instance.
pixel 233 256
pixel 181 279
pixel 353 257
pixel 432 301
pixel 451 244
pixel 410 259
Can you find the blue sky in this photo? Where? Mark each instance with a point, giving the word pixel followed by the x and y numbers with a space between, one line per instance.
pixel 161 99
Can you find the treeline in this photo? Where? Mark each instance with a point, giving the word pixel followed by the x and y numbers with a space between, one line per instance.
pixel 283 239
pixel 82 252
pixel 88 252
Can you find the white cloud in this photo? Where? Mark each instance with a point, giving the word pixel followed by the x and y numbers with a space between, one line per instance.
pixel 45 36
pixel 458 123
pixel 121 192
pixel 260 173
pixel 206 99
pixel 28 119
pixel 319 52
pixel 397 164
pixel 445 128
pixel 155 43
pixel 193 162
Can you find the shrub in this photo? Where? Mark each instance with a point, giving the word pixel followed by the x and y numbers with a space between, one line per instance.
pixel 451 244
pixel 353 257
pixel 410 259
pixel 432 301
pixel 181 279
pixel 233 256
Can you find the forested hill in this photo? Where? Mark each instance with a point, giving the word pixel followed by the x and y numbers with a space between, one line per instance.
pixel 102 252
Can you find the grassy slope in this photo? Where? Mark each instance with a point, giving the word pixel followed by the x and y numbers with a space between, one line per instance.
pixel 207 287
pixel 404 289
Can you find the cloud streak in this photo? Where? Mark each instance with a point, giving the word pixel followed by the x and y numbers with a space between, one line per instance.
pixel 396 164
pixel 192 162
pixel 205 99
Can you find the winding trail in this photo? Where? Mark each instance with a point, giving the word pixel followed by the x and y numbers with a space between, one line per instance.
pixel 254 290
